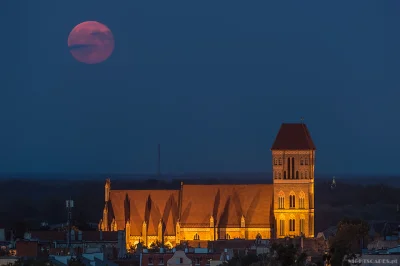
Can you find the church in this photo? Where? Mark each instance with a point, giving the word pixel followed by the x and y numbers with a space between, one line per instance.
pixel 284 208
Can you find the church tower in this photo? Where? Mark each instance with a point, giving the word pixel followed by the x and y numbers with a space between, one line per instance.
pixel 293 160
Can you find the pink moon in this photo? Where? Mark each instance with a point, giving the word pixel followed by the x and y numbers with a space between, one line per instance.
pixel 91 42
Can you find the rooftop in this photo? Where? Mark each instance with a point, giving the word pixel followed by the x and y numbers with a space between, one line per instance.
pixel 293 137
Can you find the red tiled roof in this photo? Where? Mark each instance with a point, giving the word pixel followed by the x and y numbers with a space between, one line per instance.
pixel 227 204
pixel 145 205
pixel 293 137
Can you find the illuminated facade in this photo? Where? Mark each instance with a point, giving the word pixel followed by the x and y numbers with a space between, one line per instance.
pixel 211 212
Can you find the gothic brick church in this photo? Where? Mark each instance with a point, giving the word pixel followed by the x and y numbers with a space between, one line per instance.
pixel 212 212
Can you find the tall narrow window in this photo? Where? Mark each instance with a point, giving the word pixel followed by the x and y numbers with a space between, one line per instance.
pixel 306 161
pixel 284 175
pixel 306 174
pixel 279 175
pixel 301 175
pixel 288 168
pixel 297 174
pixel 301 203
pixel 227 236
pixel 292 199
pixel 293 168
pixel 281 202
pixel 280 161
pixel 292 225
pixel 275 161
pixel 301 161
pixel 281 227
pixel 196 237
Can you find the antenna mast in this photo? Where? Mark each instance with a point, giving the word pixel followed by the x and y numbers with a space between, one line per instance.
pixel 69 204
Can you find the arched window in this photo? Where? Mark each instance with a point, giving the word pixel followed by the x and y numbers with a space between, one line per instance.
pixel 292 200
pixel 196 237
pixel 227 236
pixel 292 227
pixel 301 200
pixel 282 225
pixel 281 200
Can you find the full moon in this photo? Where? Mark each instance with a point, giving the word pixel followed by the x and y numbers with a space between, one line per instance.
pixel 91 42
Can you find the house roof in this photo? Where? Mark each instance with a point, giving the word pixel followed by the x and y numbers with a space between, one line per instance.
pixel 145 205
pixel 293 137
pixel 227 204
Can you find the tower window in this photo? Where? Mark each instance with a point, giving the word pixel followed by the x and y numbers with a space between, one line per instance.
pixel 301 161
pixel 301 175
pixel 297 174
pixel 301 203
pixel 280 161
pixel 281 227
pixel 292 173
pixel 281 202
pixel 279 175
pixel 227 236
pixel 276 175
pixel 292 225
pixel 275 161
pixel 306 161
pixel 196 237
pixel 306 174
pixel 292 199
pixel 284 175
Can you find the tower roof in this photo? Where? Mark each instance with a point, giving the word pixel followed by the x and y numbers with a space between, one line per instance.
pixel 293 137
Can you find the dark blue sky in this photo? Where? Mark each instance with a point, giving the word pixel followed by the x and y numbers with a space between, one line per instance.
pixel 210 80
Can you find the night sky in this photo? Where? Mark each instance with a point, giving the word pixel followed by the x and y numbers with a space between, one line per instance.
pixel 211 81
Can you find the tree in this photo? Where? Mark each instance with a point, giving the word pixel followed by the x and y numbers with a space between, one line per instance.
pixel 249 259
pixel 155 246
pixel 346 241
